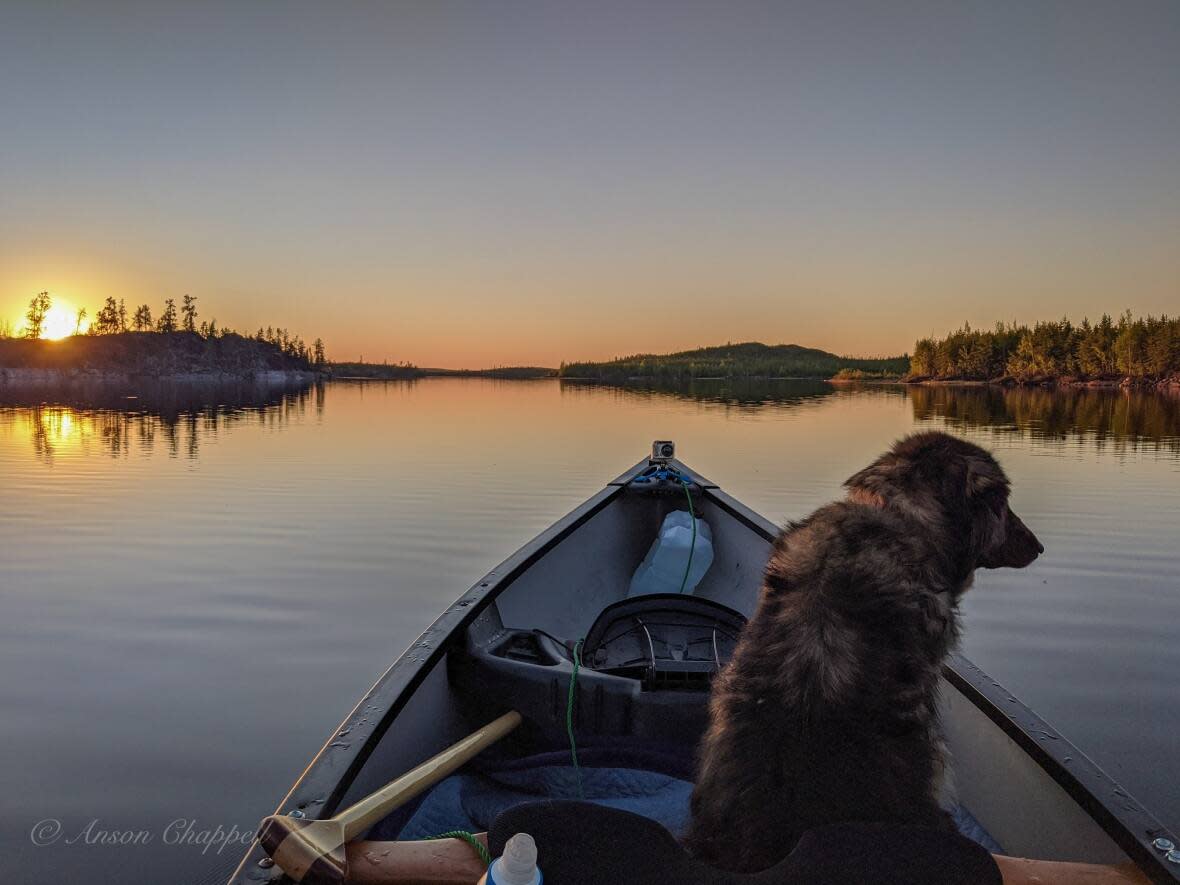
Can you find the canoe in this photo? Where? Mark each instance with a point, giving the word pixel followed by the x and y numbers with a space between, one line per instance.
pixel 646 663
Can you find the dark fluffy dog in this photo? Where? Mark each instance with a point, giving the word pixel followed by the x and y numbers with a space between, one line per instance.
pixel 827 711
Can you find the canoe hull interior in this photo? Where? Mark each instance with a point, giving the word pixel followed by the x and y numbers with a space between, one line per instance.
pixel 1028 787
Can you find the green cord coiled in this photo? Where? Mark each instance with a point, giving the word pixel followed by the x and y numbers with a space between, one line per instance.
pixel 569 716
pixel 470 839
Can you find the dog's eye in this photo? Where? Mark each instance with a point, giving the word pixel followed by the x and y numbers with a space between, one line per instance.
pixel 998 504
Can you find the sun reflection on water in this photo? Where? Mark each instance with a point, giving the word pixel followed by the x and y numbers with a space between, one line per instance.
pixel 91 419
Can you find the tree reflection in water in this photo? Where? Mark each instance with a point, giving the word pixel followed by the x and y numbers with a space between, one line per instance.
pixel 118 418
pixel 1104 417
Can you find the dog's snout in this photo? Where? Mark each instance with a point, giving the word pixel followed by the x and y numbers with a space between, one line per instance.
pixel 1029 538
pixel 1019 549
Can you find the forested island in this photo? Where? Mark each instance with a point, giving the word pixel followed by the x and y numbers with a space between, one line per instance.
pixel 174 345
pixel 1128 352
pixel 747 360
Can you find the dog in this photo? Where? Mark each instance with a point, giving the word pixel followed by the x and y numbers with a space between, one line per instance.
pixel 827 711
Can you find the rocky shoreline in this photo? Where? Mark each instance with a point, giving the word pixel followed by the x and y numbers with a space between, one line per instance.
pixel 1167 384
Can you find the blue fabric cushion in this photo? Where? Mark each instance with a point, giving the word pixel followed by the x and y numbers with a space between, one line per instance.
pixel 472 800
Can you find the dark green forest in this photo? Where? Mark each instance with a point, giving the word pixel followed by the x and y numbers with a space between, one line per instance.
pixel 747 360
pixel 1127 348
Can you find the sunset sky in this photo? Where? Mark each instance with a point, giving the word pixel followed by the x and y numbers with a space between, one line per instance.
pixel 522 183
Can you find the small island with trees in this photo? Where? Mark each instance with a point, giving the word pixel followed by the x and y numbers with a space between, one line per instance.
pixel 750 359
pixel 173 345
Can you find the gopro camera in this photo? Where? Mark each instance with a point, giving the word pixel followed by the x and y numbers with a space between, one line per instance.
pixel 663 451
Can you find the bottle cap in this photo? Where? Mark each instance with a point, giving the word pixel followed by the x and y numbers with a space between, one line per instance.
pixel 518 864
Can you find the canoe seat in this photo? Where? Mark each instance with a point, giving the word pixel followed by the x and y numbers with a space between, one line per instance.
pixel 645 669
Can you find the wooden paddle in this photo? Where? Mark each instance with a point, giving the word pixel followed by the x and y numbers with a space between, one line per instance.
pixel 312 851
pixel 1025 871
pixel 437 862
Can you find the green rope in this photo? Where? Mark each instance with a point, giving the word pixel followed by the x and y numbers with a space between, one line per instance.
pixel 569 715
pixel 470 839
pixel 693 519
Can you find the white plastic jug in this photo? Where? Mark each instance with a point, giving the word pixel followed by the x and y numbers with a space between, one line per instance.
pixel 662 570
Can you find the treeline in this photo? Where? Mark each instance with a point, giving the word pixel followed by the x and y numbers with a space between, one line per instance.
pixel 376 371
pixel 1146 348
pixel 508 373
pixel 113 318
pixel 402 371
pixel 747 360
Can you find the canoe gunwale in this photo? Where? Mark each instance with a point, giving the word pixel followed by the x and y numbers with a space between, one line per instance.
pixel 1122 818
pixel 323 784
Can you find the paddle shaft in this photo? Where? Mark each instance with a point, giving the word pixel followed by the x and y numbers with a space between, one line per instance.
pixel 438 862
pixel 359 817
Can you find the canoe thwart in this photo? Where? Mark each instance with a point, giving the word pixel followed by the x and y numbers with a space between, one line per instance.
pixel 436 862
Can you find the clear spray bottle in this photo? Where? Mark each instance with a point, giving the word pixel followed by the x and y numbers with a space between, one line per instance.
pixel 516 866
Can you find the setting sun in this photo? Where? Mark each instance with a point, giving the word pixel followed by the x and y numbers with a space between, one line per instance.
pixel 61 321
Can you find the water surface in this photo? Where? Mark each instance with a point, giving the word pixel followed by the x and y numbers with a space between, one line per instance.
pixel 167 561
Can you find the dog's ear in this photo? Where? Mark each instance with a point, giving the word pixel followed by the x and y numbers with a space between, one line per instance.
pixel 869 486
pixel 984 475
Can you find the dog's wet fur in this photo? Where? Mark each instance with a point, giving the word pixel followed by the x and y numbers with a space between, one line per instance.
pixel 827 711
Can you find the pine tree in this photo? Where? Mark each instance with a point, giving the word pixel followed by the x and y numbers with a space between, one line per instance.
pixel 189 310
pixel 167 322
pixel 107 320
pixel 35 317
pixel 143 318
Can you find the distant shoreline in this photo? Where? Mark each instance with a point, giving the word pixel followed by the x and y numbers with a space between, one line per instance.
pixel 26 376
pixel 656 379
pixel 345 371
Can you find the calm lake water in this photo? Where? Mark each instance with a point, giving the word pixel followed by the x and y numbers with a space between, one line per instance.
pixel 166 561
